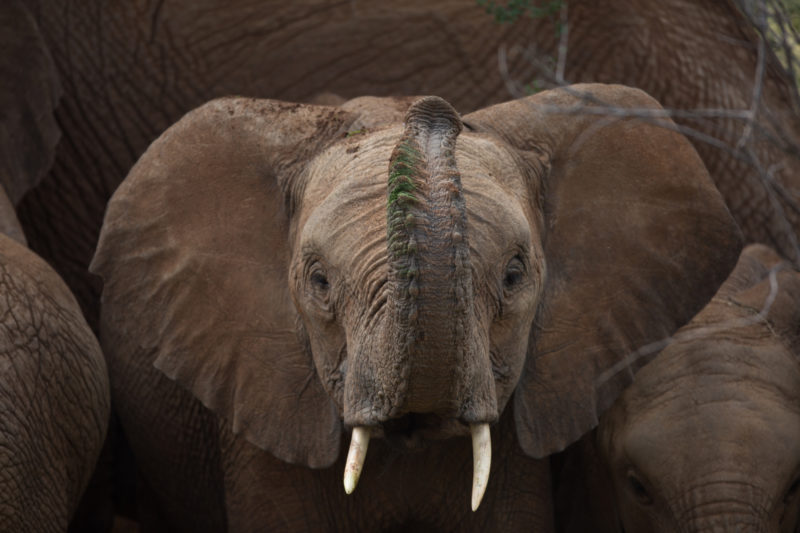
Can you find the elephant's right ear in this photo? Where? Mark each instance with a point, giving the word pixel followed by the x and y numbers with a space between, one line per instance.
pixel 636 241
pixel 766 284
pixel 194 255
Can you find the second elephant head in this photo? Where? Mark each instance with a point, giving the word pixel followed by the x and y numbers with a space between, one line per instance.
pixel 302 269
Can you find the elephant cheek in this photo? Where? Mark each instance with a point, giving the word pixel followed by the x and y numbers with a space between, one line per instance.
pixel 374 381
pixel 327 347
pixel 508 353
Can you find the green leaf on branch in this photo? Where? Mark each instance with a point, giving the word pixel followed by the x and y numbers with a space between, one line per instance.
pixel 514 9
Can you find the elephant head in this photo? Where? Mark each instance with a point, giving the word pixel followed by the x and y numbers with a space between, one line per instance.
pixel 708 437
pixel 304 269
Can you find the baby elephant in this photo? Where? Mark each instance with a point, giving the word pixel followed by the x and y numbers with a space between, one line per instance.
pixel 708 436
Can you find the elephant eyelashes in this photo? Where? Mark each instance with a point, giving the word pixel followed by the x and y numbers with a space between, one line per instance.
pixel 514 275
pixel 320 287
pixel 638 490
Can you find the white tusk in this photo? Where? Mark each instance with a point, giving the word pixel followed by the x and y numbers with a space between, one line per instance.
pixel 355 458
pixel 481 461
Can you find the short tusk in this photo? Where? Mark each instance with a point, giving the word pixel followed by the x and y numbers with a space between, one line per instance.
pixel 481 461
pixel 355 458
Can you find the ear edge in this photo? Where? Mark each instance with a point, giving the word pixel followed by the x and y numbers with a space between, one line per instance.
pixel 137 213
pixel 541 439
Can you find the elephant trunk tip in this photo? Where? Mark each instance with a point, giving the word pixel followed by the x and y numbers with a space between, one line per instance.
pixel 433 113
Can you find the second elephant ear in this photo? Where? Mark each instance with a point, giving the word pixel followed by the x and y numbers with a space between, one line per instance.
pixel 29 95
pixel 767 286
pixel 637 240
pixel 194 255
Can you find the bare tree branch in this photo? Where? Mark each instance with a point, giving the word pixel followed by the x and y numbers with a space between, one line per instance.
pixel 758 136
pixel 758 85
pixel 562 44
pixel 697 333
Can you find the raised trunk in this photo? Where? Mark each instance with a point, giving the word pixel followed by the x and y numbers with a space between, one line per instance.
pixel 433 355
pixel 431 304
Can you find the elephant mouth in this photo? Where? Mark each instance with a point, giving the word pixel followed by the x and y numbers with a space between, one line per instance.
pixel 416 431
pixel 413 431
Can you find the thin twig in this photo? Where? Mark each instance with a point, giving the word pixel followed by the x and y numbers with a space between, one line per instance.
pixel 563 41
pixel 758 84
pixel 697 333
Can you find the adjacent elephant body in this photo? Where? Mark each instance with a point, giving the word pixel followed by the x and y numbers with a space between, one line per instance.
pixel 726 90
pixel 54 396
pixel 129 71
pixel 54 391
pixel 708 436
pixel 306 280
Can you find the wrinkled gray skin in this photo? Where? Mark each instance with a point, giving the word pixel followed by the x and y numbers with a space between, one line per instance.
pixel 54 396
pixel 708 436
pixel 54 391
pixel 267 259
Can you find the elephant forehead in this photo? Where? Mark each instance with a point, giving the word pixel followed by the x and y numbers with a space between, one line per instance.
pixel 345 198
pixel 738 401
pixel 349 222
pixel 478 156
pixel 745 363
pixel 496 195
pixel 344 205
pixel 753 438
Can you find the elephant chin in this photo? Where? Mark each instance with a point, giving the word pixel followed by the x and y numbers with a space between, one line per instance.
pixel 415 431
pixel 481 456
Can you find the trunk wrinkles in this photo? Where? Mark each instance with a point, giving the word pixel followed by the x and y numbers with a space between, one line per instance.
pixel 429 276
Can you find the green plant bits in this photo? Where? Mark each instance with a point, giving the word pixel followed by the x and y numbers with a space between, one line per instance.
pixel 514 9
pixel 404 178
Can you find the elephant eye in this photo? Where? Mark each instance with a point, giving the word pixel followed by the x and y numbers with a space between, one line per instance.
pixel 514 274
pixel 638 489
pixel 317 290
pixel 320 281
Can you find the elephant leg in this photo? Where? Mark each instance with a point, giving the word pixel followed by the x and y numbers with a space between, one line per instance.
pixel 54 396
pixel 173 438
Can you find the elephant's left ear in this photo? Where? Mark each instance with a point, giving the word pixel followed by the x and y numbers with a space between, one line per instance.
pixel 636 241
pixel 194 256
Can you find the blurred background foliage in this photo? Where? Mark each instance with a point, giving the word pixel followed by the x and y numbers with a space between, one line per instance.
pixel 793 8
pixel 778 22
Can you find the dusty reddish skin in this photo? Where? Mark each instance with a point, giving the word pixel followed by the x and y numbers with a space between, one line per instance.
pixel 245 265
pixel 128 71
